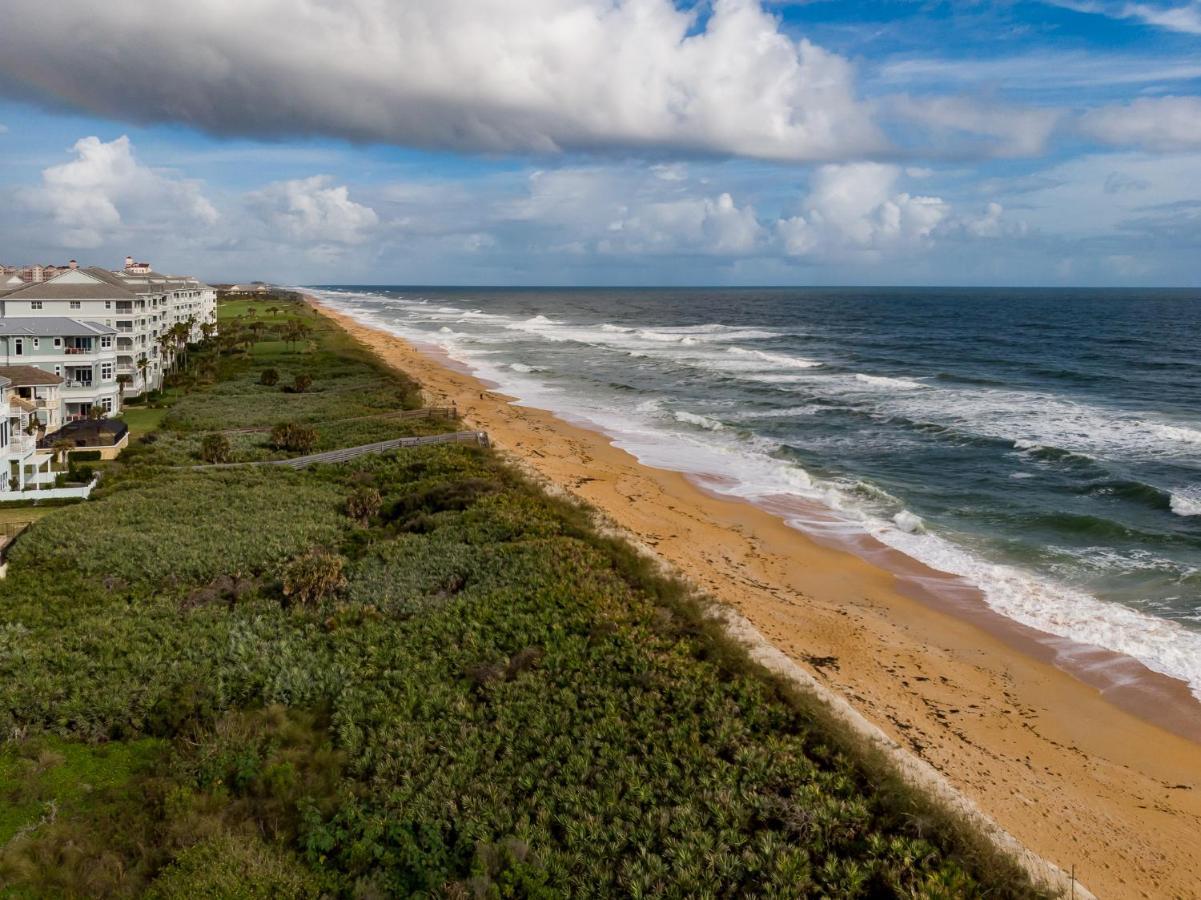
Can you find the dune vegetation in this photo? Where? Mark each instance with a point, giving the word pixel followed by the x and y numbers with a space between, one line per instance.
pixel 407 674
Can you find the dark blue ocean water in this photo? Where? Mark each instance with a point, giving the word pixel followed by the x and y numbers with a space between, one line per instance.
pixel 1045 444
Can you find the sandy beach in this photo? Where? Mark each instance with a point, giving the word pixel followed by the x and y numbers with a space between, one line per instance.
pixel 1059 759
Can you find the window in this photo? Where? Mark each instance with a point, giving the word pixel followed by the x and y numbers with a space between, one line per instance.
pixel 106 340
pixel 74 304
pixel 35 304
pixel 37 342
pixel 106 371
pixel 58 370
pixel 107 403
pixel 19 346
pixel 108 304
pixel 58 342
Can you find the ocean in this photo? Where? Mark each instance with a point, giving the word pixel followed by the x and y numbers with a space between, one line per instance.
pixel 1043 444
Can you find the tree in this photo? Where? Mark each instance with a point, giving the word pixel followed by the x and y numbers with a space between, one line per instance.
pixel 207 329
pixel 96 411
pixel 124 380
pixel 302 383
pixel 143 368
pixel 215 448
pixel 269 377
pixel 363 504
pixel 61 449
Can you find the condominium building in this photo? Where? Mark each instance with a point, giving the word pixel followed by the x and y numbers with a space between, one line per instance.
pixel 23 465
pixel 139 305
pixel 37 391
pixel 82 354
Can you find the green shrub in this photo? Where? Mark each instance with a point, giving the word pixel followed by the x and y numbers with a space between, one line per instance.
pixel 313 577
pixel 186 527
pixel 234 867
pixel 83 455
pixel 215 448
pixel 294 437
pixel 302 383
pixel 269 377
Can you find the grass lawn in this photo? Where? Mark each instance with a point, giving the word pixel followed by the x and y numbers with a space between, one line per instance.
pixel 142 420
pixel 25 513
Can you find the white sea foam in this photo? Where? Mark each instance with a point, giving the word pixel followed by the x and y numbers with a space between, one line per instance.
pixel 908 522
pixel 1187 503
pixel 775 359
pixel 895 384
pixel 524 369
pixel 699 421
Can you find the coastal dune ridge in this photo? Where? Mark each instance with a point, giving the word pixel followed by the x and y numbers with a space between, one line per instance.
pixel 977 701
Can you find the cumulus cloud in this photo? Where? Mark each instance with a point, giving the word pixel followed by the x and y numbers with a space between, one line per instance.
pixel 105 192
pixel 493 75
pixel 1151 123
pixel 856 211
pixel 312 210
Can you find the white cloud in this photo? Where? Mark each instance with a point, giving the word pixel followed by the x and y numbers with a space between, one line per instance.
pixel 1152 123
pixel 494 75
pixel 855 211
pixel 1184 18
pixel 105 193
pixel 981 127
pixel 311 210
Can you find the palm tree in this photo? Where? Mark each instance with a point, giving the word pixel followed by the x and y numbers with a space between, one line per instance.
pixel 61 448
pixel 124 379
pixel 207 329
pixel 143 367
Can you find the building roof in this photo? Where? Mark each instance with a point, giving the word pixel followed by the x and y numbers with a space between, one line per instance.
pixel 22 403
pixel 69 286
pixel 51 326
pixel 26 376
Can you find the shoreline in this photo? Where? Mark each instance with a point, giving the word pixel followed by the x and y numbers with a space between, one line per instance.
pixel 1070 775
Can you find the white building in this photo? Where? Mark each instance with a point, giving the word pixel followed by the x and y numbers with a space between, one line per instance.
pixel 22 464
pixel 39 392
pixel 140 305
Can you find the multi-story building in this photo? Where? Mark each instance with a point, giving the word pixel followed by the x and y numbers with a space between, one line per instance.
pixel 22 464
pixel 39 392
pixel 140 304
pixel 83 354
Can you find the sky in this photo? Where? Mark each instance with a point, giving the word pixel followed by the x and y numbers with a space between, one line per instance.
pixel 607 142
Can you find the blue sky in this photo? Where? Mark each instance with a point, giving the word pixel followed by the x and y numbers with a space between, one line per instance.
pixel 608 141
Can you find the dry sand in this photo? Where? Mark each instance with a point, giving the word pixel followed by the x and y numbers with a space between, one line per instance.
pixel 1075 778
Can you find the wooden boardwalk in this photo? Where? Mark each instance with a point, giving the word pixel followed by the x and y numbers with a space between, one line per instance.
pixel 477 438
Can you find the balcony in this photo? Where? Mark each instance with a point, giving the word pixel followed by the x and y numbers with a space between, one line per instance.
pixel 76 351
pixel 21 445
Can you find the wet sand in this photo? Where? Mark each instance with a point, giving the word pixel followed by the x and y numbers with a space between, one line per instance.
pixel 1060 761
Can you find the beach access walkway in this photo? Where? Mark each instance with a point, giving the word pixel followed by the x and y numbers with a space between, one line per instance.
pixel 478 438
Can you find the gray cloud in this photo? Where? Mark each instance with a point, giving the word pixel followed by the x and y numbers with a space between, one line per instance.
pixel 490 75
